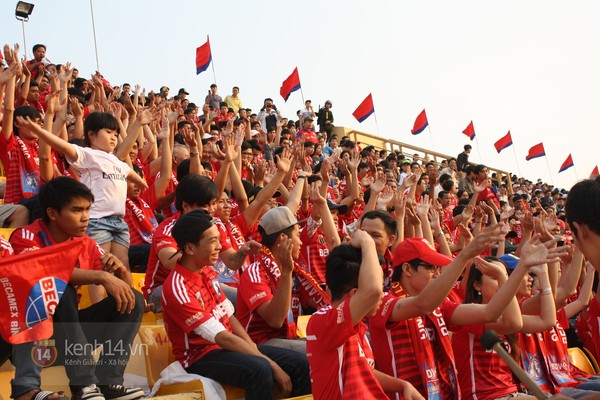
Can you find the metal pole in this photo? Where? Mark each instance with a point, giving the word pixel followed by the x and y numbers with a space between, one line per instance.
pixel 376 124
pixel 24 42
pixel 94 31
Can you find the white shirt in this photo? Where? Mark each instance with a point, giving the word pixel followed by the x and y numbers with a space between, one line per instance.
pixel 106 176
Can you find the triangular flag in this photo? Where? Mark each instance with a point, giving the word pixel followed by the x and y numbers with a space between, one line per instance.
pixel 567 164
pixel 365 109
pixel 470 131
pixel 595 172
pixel 420 123
pixel 291 84
pixel 203 56
pixel 536 151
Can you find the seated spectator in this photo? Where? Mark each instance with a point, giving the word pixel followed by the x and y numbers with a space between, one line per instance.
pixel 207 338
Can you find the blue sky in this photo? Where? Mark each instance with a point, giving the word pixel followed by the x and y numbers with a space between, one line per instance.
pixel 531 67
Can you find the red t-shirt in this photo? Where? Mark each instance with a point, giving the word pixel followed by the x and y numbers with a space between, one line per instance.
pixel 36 236
pixel 257 286
pixel 340 357
pixel 533 360
pixel 190 300
pixel 315 251
pixel 235 232
pixel 588 327
pixel 20 183
pixel 156 273
pixel 144 206
pixel 482 374
pixel 408 349
pixel 5 248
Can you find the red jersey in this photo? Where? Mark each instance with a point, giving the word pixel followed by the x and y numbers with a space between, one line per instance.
pixel 36 236
pixel 162 239
pixel 234 231
pixel 140 218
pixel 191 300
pixel 21 165
pixel 417 350
pixel 340 357
pixel 482 374
pixel 315 250
pixel 5 248
pixel 588 327
pixel 258 284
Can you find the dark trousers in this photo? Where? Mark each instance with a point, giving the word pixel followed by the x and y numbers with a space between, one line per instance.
pixel 78 332
pixel 138 257
pixel 254 374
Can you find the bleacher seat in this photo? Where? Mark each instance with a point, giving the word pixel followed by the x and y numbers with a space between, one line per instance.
pixel 6 232
pixel 301 325
pixel 580 360
pixel 592 359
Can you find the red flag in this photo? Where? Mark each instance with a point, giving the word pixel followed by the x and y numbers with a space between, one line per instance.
pixel 567 164
pixel 536 151
pixel 595 172
pixel 203 56
pixel 470 131
pixel 291 84
pixel 32 284
pixel 365 109
pixel 504 142
pixel 420 123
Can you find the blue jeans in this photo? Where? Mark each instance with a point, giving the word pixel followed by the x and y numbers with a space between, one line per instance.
pixel 254 374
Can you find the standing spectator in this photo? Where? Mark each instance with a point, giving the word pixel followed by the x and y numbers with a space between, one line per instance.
pixel 308 110
pixel 233 101
pixel 269 116
pixel 38 64
pixel 213 99
pixel 325 119
pixel 182 93
pixel 462 160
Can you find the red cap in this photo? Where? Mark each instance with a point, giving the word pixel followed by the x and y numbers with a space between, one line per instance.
pixel 414 248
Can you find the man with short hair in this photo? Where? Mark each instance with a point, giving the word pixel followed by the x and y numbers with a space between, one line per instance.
pixel 462 160
pixel 37 66
pixel 112 321
pixel 207 338
pixel 213 99
pixel 325 119
pixel 583 217
pixel 233 101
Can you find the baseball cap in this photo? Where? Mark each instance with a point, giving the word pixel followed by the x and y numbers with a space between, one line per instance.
pixel 277 219
pixel 406 162
pixel 308 118
pixel 254 132
pixel 190 227
pixel 509 260
pixel 414 248
pixel 182 90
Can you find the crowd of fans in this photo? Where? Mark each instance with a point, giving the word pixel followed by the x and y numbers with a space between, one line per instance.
pixel 242 221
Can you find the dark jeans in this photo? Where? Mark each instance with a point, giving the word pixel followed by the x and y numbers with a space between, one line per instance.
pixel 33 205
pixel 138 257
pixel 78 332
pixel 254 374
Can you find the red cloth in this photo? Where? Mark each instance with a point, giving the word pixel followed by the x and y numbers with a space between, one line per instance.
pixel 140 218
pixel 418 349
pixel 482 374
pixel 156 273
pixel 588 327
pixel 257 286
pixel 190 300
pixel 533 360
pixel 22 177
pixel 341 360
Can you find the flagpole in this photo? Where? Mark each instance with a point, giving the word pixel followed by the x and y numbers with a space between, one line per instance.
pixel 478 151
pixel 576 175
pixel 431 137
pixel 549 171
pixel 517 161
pixel 302 94
pixel 376 124
pixel 212 62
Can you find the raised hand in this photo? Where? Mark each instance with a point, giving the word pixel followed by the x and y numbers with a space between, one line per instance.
pixel 377 186
pixel 353 162
pixel 484 239
pixel 7 74
pixel 422 208
pixel 507 214
pixel 284 161
pixel 315 194
pixel 491 269
pixel 480 187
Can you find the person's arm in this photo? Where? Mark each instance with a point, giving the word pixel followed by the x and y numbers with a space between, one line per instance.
pixel 44 151
pixel 389 384
pixel 77 110
pixel 438 233
pixel 238 189
pixel 230 155
pixel 547 317
pixel 234 260
pixel 168 258
pixel 295 196
pixel 327 224
pixel 55 142
pixel 399 210
pixel 253 211
pixel 275 311
pixel 115 287
pixel 370 279
pixel 133 133
pixel 194 142
pixel 585 293
pixel 569 278
pixel 166 169
pixel 436 291
pixel 422 210
pixel 8 107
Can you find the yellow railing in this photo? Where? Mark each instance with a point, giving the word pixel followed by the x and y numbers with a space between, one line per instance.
pixel 408 150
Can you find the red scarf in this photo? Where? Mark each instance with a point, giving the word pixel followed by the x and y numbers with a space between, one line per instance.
pixel 140 220
pixel 444 385
pixel 29 168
